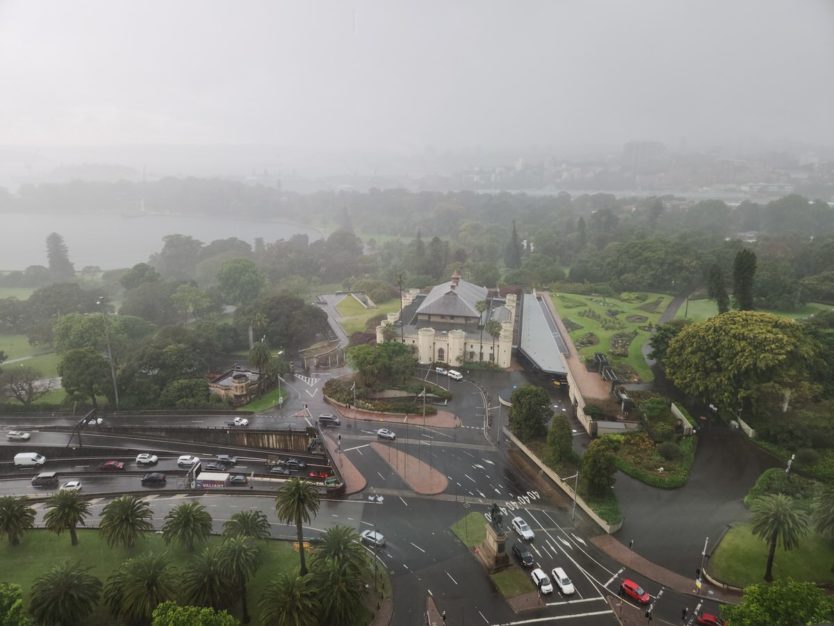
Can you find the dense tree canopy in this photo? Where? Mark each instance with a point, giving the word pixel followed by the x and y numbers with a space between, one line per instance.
pixel 781 603
pixel 172 614
pixel 384 365
pixel 530 412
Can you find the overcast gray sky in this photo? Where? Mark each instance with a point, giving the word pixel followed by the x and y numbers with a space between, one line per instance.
pixel 401 76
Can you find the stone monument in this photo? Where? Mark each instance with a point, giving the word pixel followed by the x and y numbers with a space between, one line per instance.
pixel 493 552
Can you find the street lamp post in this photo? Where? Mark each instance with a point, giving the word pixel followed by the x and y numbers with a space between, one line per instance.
pixel 575 487
pixel 790 462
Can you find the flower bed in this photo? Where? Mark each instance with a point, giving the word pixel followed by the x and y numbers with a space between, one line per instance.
pixel 640 457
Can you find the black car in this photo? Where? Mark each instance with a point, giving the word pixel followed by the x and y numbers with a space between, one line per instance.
pixel 238 480
pixel 154 478
pixel 295 464
pixel 227 459
pixel 278 469
pixel 213 467
pixel 523 555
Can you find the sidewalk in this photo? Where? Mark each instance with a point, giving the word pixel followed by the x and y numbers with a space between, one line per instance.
pixel 419 475
pixel 354 480
pixel 665 577
pixel 443 419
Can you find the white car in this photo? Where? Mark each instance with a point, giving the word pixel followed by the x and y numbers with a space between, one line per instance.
pixel 71 485
pixel 562 581
pixel 441 370
pixel 241 421
pixel 541 581
pixel 384 433
pixel 146 458
pixel 187 460
pixel 522 529
pixel 372 538
pixel 17 435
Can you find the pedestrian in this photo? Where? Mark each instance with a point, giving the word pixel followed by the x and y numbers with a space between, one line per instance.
pixel 684 613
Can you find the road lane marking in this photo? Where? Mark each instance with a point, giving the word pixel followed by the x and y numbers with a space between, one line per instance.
pixel 403 501
pixel 470 478
pixel 555 618
pixel 451 578
pixel 611 580
pixel 418 547
pixel 565 542
pixel 368 523
pixel 579 539
pixel 380 475
pixel 536 550
pixel 488 461
pixel 599 599
pixel 551 555
pixel 364 445
pixel 482 615
pixel 309 423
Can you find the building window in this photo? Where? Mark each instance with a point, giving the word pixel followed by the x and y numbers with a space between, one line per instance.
pixel 441 354
pixel 471 355
pixel 491 357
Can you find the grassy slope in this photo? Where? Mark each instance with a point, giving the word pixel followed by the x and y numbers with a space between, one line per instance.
pixel 471 530
pixel 702 309
pixel 265 402
pixel 21 293
pixel 355 316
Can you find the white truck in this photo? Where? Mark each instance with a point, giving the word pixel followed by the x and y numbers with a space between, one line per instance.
pixel 29 459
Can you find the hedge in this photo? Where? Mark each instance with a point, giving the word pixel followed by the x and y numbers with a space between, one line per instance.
pixel 676 477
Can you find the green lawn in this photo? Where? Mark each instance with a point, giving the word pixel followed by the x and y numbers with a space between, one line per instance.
pixel 512 582
pixel 16 346
pixel 606 317
pixel 21 293
pixel 703 308
pixel 350 307
pixel 265 402
pixel 355 316
pixel 740 559
pixel 471 530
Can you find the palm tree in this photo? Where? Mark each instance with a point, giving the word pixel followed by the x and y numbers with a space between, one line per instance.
pixel 341 544
pixel 65 595
pixel 65 511
pixel 252 524
pixel 188 524
pixel 290 601
pixel 239 560
pixel 124 519
pixel 297 503
pixel 340 591
pixel 775 518
pixel 204 582
pixel 494 328
pixel 138 586
pixel 824 513
pixel 16 517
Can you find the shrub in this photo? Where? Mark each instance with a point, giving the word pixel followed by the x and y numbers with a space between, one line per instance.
pixel 807 456
pixel 775 480
pixel 669 450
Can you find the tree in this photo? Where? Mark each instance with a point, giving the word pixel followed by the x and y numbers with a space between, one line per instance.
pixel 65 511
pixel 12 607
pixel 716 289
pixel 780 603
pixel 66 594
pixel 204 582
pixel 260 356
pixel 152 301
pixel 744 271
pixel 530 411
pixel 290 601
pixel 824 512
pixel 124 520
pixel 598 467
pixel 341 544
pixel 24 384
pixel 60 268
pixel 16 517
pixel 662 336
pixel 178 258
pixel 286 320
pixel 297 503
pixel 512 256
pixel 47 304
pixel 560 441
pixel 382 365
pixel 728 358
pixel 85 374
pixel 239 560
pixel 138 274
pixel 172 614
pixel 341 592
pixel 187 524
pixel 139 586
pixel 777 520
pixel 493 328
pixel 188 299
pixel 252 524
pixel 239 281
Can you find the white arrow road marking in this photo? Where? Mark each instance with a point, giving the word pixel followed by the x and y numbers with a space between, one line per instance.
pixel 579 539
pixel 567 543
pixel 478 466
pixel 310 393
pixel 481 493
pixel 488 461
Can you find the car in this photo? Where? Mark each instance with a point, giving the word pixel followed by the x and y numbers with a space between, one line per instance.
pixel 187 460
pixel 279 469
pixel 71 485
pixel 522 529
pixel 17 435
pixel 634 591
pixel 328 419
pixel 153 478
pixel 295 464
pixel 112 466
pixel 213 466
pixel 541 581
pixel 563 582
pixel 372 538
pixel 384 433
pixel 441 370
pixel 708 619
pixel 240 421
pixel 226 459
pixel 523 555
pixel 318 474
pixel 238 480
pixel 146 458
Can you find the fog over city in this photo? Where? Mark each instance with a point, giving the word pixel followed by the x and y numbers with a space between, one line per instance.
pixel 407 77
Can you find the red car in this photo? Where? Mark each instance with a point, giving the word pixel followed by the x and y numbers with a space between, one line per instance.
pixel 111 466
pixel 318 474
pixel 708 619
pixel 634 591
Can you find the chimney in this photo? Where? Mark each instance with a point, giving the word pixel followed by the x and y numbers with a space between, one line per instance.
pixel 455 279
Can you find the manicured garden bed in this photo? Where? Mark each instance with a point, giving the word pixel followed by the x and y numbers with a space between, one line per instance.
pixel 512 582
pixel 471 529
pixel 639 457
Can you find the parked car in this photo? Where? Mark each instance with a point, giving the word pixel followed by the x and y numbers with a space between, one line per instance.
pixel 523 555
pixel 213 466
pixel 708 619
pixel 71 485
pixel 187 460
pixel 522 529
pixel 240 421
pixel 153 478
pixel 562 581
pixel 372 538
pixel 455 375
pixel 17 435
pixel 112 466
pixel 318 474
pixel 279 469
pixel 384 433
pixel 441 370
pixel 238 480
pixel 295 464
pixel 634 591
pixel 226 459
pixel 146 458
pixel 541 581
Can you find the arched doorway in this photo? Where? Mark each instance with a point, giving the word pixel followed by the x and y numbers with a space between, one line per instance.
pixel 441 355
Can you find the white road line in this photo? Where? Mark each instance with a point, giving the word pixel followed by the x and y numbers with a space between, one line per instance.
pixel 430 593
pixel 488 461
pixel 380 475
pixel 579 539
pixel 536 550
pixel 597 599
pixel 557 618
pixel 426 436
pixel 364 445
pixel 609 581
pixel 367 523
pixel 360 452
pixel 468 453
pixel 406 567
pixel 482 615
pixel 418 547
pixel 583 551
pixel 470 478
pixel 449 477
pixel 552 555
pixel 403 501
pixel 309 423
pixel 450 578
